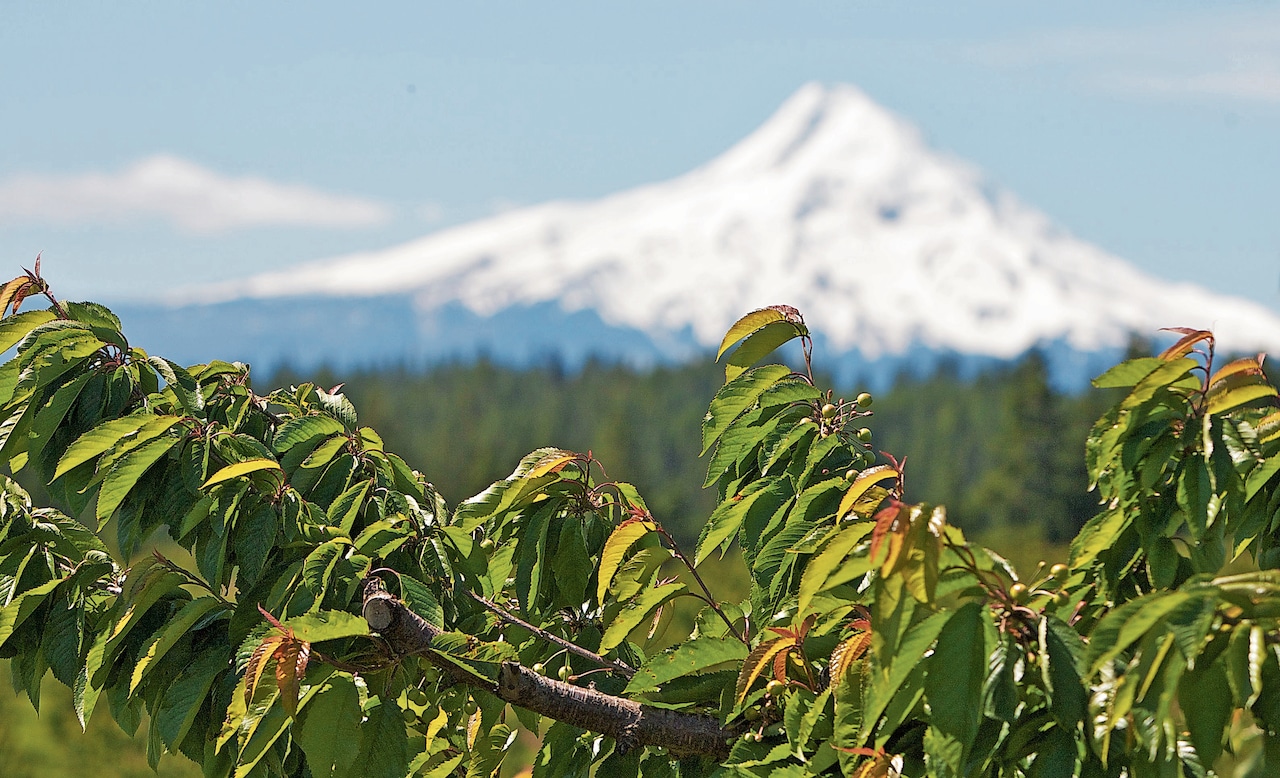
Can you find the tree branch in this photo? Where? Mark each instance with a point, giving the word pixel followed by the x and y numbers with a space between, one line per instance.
pixel 621 668
pixel 628 722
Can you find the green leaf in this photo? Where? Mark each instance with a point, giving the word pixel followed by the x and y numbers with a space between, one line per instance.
pixel 304 429
pixel 748 324
pixel 620 541
pixel 51 415
pixel 184 697
pixel 346 506
pixel 635 612
pixel 318 567
pixel 690 658
pixel 531 557
pixel 22 606
pixel 735 397
pixel 1061 665
pixel 329 730
pixel 325 452
pixel 1236 391
pixel 1195 495
pixel 1125 625
pixel 160 642
pixel 124 475
pixel 382 537
pixel 15 328
pixel 830 559
pixel 151 587
pixel 899 665
pixel 956 672
pixel 758 345
pixel 99 439
pixel 240 469
pixel 1205 697
pixel 1261 475
pixel 729 516
pixel 1164 377
pixel 1244 656
pixel 419 599
pixel 327 625
pixel 1126 374
pixel 184 387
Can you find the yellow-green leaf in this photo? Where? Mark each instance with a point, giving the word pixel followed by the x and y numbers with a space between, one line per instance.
pixel 861 483
pixel 239 469
pixel 1236 390
pixel 552 463
pixel 620 541
pixel 636 611
pixel 746 325
pixel 759 345
pixel 760 657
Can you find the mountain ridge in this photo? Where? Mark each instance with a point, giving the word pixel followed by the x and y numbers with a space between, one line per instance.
pixel 834 205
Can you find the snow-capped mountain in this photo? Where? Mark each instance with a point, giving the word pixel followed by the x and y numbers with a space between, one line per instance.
pixel 891 250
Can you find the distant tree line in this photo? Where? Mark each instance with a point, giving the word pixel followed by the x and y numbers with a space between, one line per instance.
pixel 1003 450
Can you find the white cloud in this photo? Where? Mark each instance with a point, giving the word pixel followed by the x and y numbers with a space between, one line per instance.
pixel 191 197
pixel 1233 56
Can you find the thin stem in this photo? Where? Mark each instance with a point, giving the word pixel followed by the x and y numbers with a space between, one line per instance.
pixel 710 599
pixel 612 664
pixel 192 579
pixel 807 343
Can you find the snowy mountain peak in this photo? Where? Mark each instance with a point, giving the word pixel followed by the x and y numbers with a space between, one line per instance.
pixel 816 126
pixel 834 205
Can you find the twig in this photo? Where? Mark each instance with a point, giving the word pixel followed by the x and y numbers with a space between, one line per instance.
pixel 710 599
pixel 614 665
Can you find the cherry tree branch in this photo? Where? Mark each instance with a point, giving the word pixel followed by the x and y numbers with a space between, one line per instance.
pixel 630 723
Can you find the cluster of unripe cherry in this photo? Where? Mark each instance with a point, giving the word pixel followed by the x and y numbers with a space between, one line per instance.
pixel 833 417
pixel 1021 594
pixel 563 673
pixel 417 698
pixel 772 695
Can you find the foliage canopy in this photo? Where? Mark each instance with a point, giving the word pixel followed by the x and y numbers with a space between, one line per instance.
pixel 332 616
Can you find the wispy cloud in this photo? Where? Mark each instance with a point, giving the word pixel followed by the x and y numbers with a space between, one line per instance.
pixel 1232 56
pixel 190 197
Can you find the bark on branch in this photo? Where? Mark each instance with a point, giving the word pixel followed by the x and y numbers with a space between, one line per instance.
pixel 628 722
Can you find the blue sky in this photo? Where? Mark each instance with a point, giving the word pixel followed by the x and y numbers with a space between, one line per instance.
pixel 150 146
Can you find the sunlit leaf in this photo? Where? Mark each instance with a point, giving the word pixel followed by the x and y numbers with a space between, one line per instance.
pixel 862 482
pixel 327 625
pixel 552 463
pixel 1190 337
pixel 743 327
pixel 693 657
pixel 760 344
pixel 735 397
pixel 620 541
pixel 1236 390
pixel 239 469
pixel 635 612
pixel 760 658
